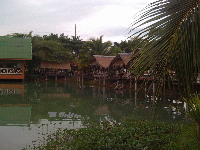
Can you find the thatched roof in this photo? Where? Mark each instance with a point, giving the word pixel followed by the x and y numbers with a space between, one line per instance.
pixel 121 59
pixel 56 65
pixel 103 61
pixel 126 57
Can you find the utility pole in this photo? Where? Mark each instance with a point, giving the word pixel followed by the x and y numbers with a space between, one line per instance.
pixel 75 30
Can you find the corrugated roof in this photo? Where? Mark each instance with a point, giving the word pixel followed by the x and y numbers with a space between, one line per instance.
pixel 103 61
pixel 56 65
pixel 15 47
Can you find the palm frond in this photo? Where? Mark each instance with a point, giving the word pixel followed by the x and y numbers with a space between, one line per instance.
pixel 169 30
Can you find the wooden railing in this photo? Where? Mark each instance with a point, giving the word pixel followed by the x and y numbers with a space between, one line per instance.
pixel 10 71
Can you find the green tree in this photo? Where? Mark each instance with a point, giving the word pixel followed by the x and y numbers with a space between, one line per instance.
pixel 56 48
pixel 75 45
pixel 98 47
pixel 114 51
pixel 21 34
pixel 90 48
pixel 128 46
pixel 51 37
pixel 52 50
pixel 169 33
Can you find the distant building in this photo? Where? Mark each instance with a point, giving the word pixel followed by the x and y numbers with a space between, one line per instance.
pixel 55 68
pixel 101 63
pixel 122 60
pixel 13 53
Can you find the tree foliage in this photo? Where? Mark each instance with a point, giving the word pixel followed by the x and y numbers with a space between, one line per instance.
pixel 21 34
pixel 56 48
pixel 93 47
pixel 133 135
pixel 97 46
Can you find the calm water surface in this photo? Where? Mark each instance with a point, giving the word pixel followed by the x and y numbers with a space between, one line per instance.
pixel 31 111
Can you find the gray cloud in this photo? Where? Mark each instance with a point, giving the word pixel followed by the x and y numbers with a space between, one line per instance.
pixel 53 16
pixel 115 31
pixel 23 11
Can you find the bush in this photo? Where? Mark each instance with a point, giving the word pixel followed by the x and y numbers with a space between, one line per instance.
pixel 128 135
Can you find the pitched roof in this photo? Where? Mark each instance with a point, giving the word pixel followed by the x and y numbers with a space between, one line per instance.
pixel 103 61
pixel 126 57
pixel 56 65
pixel 121 59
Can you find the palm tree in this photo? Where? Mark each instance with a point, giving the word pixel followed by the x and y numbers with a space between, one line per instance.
pixel 169 30
pixel 90 48
pixel 98 47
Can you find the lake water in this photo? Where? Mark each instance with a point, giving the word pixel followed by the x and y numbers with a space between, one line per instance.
pixel 31 111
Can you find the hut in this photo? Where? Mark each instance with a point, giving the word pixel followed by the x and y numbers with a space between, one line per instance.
pixel 120 64
pixel 99 67
pixel 55 69
pixel 100 64
pixel 14 51
pixel 122 60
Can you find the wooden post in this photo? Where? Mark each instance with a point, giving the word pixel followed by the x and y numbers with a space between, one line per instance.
pixel 99 80
pixel 135 98
pixel 56 78
pixel 65 76
pixel 135 83
pixel 103 93
pixel 99 91
pixel 46 75
pixel 136 91
pixel 154 86
pixel 145 90
pixel 79 78
pixel 186 111
pixel 154 109
pixel 82 76
pixel 104 80
pixel 131 82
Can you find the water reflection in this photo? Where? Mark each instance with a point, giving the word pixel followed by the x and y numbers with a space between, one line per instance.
pixel 31 111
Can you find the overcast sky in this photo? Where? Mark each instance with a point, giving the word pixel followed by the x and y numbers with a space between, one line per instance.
pixel 93 18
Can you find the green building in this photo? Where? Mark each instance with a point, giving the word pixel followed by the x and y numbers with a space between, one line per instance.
pixel 14 51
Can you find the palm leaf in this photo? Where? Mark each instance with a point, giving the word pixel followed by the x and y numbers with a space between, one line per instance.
pixel 169 30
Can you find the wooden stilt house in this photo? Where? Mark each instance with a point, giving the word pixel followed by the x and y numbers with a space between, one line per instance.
pixel 100 64
pixel 121 63
pixel 14 51
pixel 55 68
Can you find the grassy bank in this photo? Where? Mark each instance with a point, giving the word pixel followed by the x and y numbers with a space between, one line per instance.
pixel 127 135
